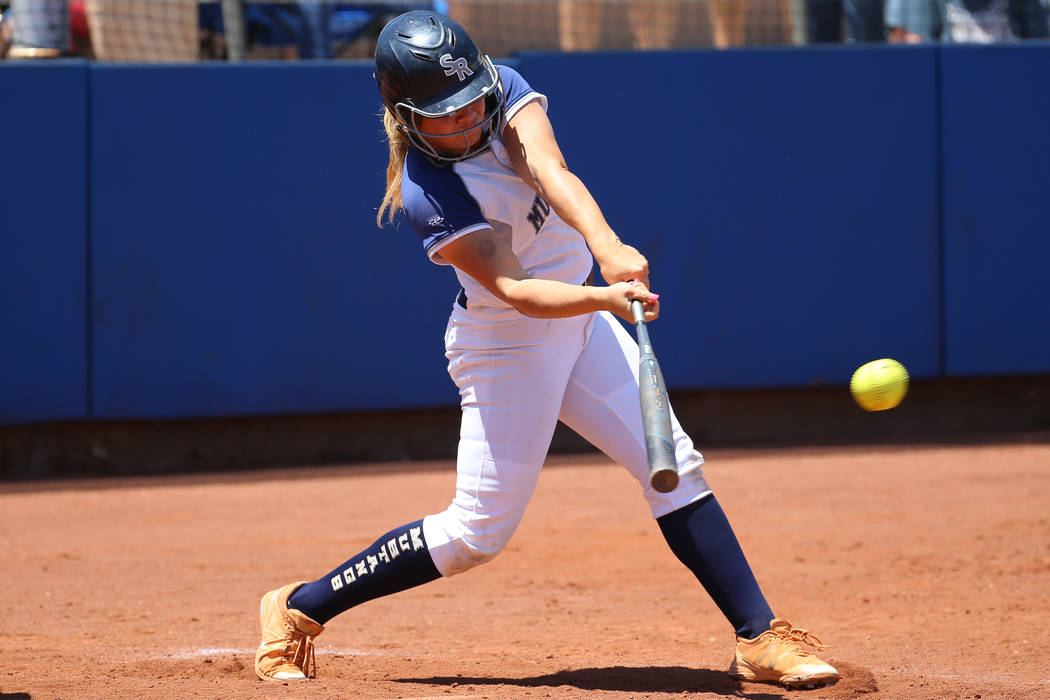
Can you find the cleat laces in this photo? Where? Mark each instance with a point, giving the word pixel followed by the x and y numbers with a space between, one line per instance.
pixel 798 637
pixel 303 655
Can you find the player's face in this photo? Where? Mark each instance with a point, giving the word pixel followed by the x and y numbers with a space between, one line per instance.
pixel 455 133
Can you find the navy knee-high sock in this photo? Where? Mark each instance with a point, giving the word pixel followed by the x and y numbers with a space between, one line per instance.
pixel 395 562
pixel 700 536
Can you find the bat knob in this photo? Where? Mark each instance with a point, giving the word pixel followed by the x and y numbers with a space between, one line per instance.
pixel 665 480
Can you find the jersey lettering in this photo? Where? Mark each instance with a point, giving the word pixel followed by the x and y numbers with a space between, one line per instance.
pixel 539 213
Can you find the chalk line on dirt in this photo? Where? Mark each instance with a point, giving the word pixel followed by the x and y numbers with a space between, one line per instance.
pixel 218 651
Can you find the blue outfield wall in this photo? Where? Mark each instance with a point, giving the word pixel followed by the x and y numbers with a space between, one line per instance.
pixel 759 183
pixel 43 242
pixel 996 110
pixel 205 239
pixel 238 268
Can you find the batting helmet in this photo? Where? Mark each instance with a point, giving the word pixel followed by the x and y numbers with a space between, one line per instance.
pixel 428 66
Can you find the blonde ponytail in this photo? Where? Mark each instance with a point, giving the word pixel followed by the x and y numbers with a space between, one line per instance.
pixel 398 143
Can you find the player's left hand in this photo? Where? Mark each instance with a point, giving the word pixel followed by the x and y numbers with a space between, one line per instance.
pixel 620 262
pixel 622 293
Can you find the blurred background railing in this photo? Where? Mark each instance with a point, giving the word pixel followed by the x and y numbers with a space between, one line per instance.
pixel 190 30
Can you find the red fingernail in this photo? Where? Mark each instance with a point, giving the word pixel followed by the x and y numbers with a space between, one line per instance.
pixel 654 297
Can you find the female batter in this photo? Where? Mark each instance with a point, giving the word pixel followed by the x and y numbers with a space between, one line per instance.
pixel 475 168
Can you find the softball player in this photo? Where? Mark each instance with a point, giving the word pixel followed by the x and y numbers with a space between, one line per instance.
pixel 475 168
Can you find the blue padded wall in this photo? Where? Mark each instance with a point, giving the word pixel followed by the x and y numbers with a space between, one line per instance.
pixel 786 200
pixel 43 200
pixel 184 241
pixel 996 209
pixel 238 267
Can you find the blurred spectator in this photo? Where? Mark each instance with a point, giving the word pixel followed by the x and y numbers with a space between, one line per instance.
pixel 965 21
pixel 5 30
pixel 39 28
pixel 144 30
pixel 579 24
pixel 316 40
pixel 78 26
pixel 652 24
pixel 298 29
pixel 863 21
pixel 729 20
pixel 301 29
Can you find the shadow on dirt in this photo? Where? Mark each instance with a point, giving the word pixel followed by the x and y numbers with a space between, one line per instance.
pixel 662 679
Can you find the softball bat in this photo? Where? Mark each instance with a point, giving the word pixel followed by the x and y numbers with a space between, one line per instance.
pixel 656 409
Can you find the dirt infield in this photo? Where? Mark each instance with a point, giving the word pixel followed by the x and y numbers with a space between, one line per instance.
pixel 925 568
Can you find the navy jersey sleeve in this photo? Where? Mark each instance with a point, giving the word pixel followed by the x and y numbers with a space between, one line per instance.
pixel 517 91
pixel 437 204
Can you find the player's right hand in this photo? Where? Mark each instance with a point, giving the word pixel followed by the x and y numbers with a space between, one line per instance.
pixel 620 262
pixel 622 293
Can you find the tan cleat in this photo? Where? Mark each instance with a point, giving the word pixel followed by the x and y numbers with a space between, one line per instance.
pixel 286 652
pixel 778 656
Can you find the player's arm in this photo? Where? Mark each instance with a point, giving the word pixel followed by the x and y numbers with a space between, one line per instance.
pixel 488 258
pixel 538 160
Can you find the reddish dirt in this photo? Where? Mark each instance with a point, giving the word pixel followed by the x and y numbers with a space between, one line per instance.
pixel 926 570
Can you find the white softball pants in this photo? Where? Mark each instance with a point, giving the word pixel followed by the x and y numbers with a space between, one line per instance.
pixel 517 377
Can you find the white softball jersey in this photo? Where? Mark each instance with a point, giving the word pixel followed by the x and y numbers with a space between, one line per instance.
pixel 443 203
pixel 517 376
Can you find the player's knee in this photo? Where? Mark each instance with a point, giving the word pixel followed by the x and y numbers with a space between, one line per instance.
pixel 465 552
pixel 479 550
pixel 457 548
pixel 692 486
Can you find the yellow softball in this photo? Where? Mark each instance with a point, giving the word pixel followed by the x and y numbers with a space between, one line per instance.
pixel 879 385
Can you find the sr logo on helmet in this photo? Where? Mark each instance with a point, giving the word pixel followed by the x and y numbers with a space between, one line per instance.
pixel 458 66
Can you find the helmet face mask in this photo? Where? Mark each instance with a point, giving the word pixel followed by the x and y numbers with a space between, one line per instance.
pixel 408 121
pixel 428 66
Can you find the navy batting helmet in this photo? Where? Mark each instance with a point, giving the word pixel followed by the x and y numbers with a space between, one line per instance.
pixel 428 66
